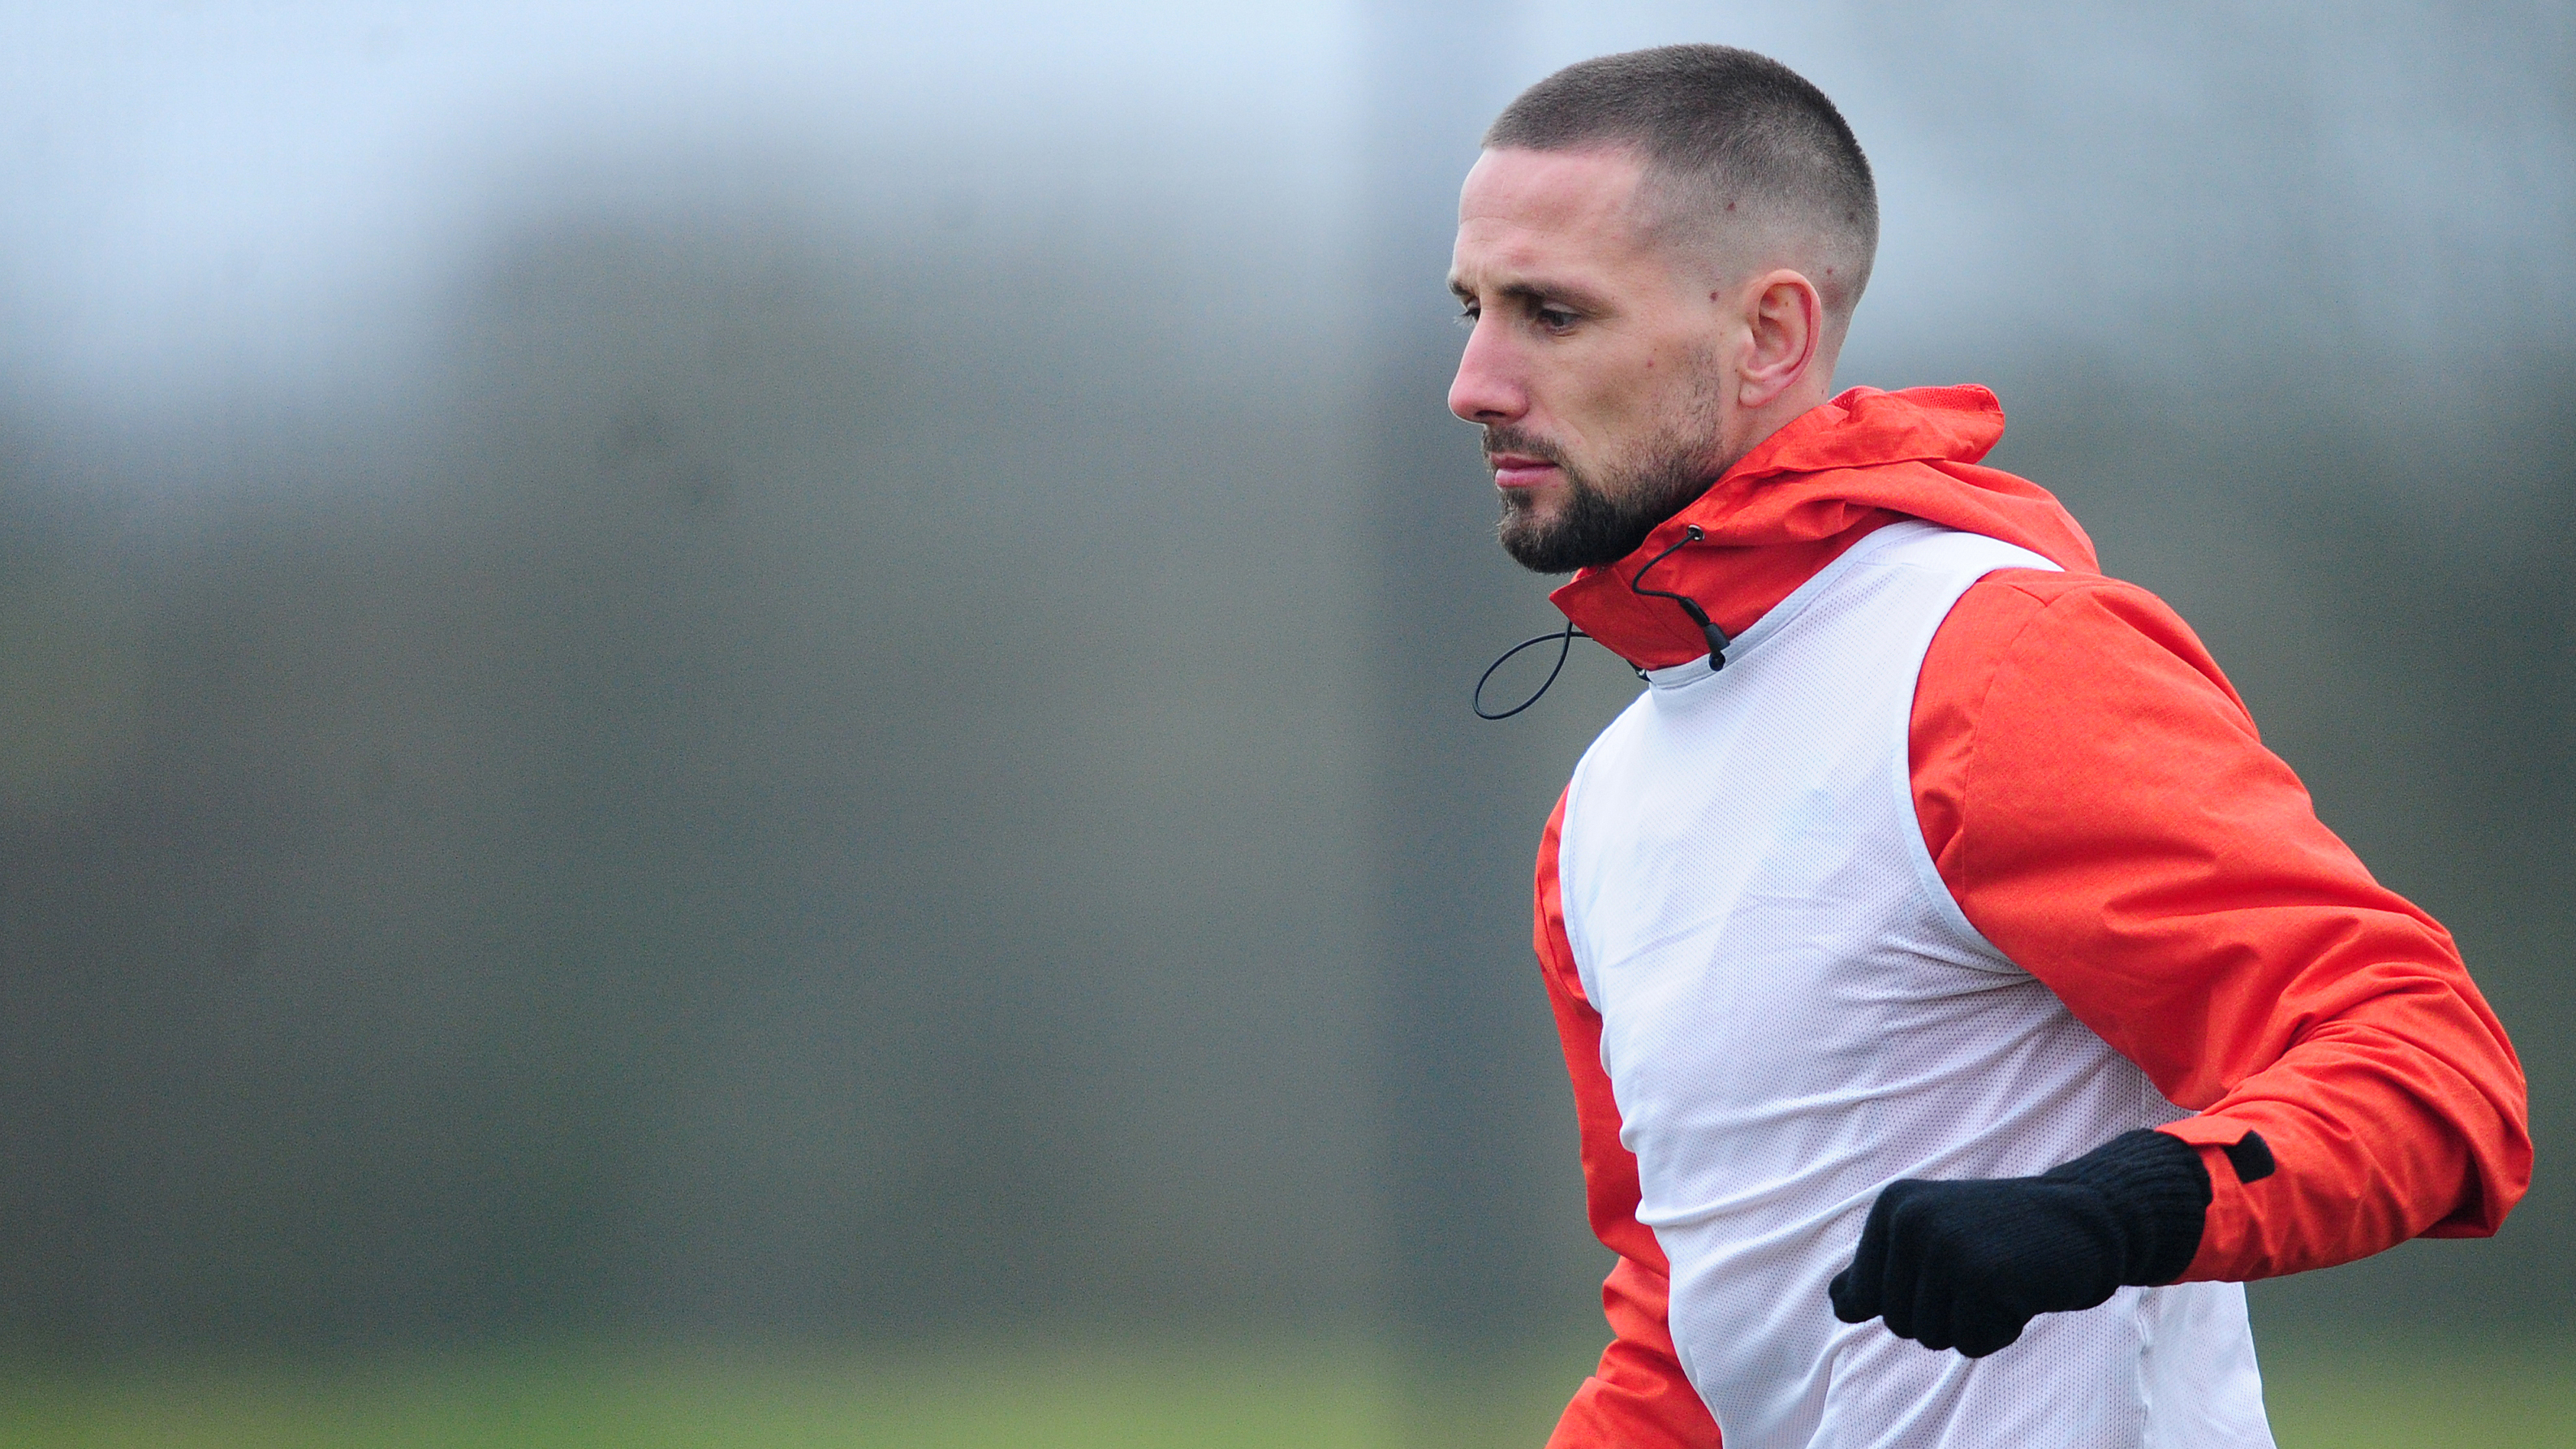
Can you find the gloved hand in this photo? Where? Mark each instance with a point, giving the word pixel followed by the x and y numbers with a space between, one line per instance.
pixel 1968 1264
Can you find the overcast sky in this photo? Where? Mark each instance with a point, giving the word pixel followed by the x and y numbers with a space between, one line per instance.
pixel 269 197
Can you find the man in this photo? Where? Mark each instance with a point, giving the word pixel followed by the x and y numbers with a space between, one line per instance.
pixel 1961 1003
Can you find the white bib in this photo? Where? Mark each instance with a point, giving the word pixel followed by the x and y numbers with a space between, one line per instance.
pixel 1795 1013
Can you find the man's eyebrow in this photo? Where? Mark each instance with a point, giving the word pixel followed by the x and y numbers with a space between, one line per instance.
pixel 1532 293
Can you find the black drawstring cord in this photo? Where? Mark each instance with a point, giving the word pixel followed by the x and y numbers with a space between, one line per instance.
pixel 1717 640
pixel 1569 636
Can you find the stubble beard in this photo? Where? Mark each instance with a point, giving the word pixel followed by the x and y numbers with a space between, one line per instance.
pixel 1600 521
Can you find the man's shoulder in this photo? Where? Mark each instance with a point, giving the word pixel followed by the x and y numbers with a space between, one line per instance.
pixel 2035 611
pixel 2029 590
pixel 2058 637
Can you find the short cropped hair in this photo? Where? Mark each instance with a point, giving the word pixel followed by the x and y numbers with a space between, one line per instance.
pixel 1721 131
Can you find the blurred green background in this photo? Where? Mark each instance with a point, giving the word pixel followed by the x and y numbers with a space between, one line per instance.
pixel 748 724
pixel 1291 1394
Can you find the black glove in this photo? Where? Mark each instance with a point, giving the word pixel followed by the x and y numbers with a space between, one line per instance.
pixel 1966 1265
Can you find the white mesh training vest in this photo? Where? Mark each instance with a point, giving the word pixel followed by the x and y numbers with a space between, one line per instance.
pixel 1795 1013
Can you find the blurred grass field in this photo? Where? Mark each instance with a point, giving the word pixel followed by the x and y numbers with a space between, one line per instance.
pixel 1345 1396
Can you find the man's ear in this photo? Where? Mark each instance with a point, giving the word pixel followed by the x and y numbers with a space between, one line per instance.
pixel 1786 320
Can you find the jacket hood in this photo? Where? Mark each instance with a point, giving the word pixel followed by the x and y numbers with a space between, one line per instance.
pixel 1832 475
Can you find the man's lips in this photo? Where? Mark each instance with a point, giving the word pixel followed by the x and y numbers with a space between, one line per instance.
pixel 1514 470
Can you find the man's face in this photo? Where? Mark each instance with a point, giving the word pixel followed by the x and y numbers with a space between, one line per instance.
pixel 1592 361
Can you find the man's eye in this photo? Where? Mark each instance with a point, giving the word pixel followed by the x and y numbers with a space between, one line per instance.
pixel 1467 315
pixel 1554 319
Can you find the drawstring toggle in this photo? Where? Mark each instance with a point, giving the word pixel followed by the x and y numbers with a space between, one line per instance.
pixel 1716 637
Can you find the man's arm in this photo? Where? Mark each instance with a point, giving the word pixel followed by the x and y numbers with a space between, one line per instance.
pixel 1638 1397
pixel 2096 798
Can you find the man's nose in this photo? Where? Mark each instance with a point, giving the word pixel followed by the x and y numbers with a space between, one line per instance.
pixel 1488 387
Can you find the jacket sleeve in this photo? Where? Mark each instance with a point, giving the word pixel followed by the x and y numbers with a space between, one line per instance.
pixel 1637 1398
pixel 2095 796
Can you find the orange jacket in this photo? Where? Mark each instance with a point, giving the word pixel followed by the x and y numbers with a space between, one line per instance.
pixel 2097 801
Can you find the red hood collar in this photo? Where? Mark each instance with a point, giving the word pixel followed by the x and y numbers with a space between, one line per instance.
pixel 1835 473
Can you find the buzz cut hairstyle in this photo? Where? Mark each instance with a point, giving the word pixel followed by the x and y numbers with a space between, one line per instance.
pixel 1721 131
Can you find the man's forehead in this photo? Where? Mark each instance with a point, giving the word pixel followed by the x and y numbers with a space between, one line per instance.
pixel 1525 209
pixel 1550 188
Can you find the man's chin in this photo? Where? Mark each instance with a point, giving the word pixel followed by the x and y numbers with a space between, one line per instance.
pixel 1561 536
pixel 1536 537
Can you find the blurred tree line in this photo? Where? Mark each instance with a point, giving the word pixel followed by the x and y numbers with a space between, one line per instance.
pixel 867 766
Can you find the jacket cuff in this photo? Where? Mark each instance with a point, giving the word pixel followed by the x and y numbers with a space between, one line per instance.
pixel 2158 1192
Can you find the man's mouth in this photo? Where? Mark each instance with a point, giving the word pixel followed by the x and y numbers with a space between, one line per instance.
pixel 1520 470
